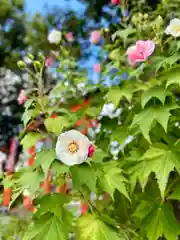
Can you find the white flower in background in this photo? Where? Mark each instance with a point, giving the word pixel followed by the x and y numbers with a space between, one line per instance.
pixel 177 124
pixel 54 36
pixel 93 197
pixel 27 60
pixel 173 28
pixel 108 110
pixel 76 207
pixel 115 147
pixel 72 147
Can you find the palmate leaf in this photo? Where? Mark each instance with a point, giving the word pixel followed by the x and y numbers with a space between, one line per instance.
pixel 176 194
pixel 45 159
pixel 84 175
pixel 56 125
pixel 158 92
pixel 29 114
pixel 92 227
pixel 172 77
pixel 157 220
pixel 30 180
pixel 113 179
pixel 99 155
pixel 123 33
pixel 158 159
pixel 145 118
pixel 116 94
pixel 48 227
pixel 31 139
pixel 53 203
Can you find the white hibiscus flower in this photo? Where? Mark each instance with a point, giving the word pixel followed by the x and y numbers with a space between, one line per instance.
pixel 108 110
pixel 72 148
pixel 173 28
pixel 54 36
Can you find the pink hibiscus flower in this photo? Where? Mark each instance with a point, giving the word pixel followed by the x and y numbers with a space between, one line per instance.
pixel 22 98
pixel 95 37
pixel 140 52
pixel 97 67
pixel 49 62
pixel 70 37
pixel 115 2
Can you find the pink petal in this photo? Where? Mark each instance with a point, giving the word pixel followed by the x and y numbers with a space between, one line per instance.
pixel 97 67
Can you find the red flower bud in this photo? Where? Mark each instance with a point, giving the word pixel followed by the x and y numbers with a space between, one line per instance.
pixel 91 150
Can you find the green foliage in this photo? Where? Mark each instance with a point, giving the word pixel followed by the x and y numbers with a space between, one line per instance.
pixel 84 174
pixel 158 220
pixel 92 227
pixel 128 189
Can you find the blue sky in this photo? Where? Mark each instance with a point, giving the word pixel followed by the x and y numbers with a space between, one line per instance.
pixel 38 5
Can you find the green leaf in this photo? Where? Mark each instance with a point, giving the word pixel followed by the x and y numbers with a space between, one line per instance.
pixel 30 180
pixel 99 155
pixel 29 114
pixel 123 33
pixel 116 94
pixel 56 125
pixel 45 159
pixel 173 77
pixel 59 168
pixel 120 134
pixel 92 227
pixel 176 194
pixel 93 111
pixel 146 117
pixel 31 139
pixel 157 92
pixel 53 203
pixel 43 101
pixel 113 179
pixel 84 175
pixel 28 103
pixel 160 160
pixel 48 227
pixel 157 220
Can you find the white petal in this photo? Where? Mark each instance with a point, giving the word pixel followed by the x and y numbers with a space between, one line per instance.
pixel 63 153
pixel 175 21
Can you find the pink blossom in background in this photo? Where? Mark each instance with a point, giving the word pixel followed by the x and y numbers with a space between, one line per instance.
pixel 115 2
pixel 22 98
pixel 97 67
pixel 70 37
pixel 140 52
pixel 49 62
pixel 95 37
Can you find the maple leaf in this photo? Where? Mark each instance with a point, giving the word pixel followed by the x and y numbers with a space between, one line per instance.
pixel 157 220
pixel 45 159
pixel 158 159
pixel 116 94
pixel 84 175
pixel 156 91
pixel 92 227
pixel 172 77
pixel 145 118
pixel 56 125
pixel 48 227
pixel 113 179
